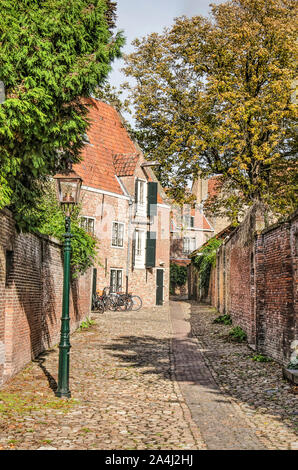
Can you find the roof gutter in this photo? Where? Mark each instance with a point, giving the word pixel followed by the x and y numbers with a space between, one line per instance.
pixel 145 164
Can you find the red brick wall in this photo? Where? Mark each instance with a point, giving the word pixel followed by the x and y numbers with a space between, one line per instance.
pixel 31 296
pixel 238 297
pixel 277 322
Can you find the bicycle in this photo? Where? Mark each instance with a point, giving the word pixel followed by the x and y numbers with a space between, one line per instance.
pixel 113 301
pixel 98 303
pixel 121 301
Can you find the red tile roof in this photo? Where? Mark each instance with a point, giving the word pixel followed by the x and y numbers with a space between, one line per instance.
pixel 108 138
pixel 125 164
pixel 206 224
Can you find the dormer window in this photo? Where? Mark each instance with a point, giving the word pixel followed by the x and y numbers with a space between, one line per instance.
pixel 188 221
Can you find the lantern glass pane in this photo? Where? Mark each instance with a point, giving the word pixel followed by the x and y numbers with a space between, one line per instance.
pixel 68 192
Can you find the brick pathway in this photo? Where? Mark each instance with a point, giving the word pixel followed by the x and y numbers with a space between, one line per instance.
pixel 123 392
pixel 138 381
pixel 222 424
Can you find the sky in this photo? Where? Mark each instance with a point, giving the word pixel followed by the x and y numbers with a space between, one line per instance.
pixel 138 18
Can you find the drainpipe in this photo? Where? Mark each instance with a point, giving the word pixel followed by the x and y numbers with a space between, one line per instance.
pixel 130 202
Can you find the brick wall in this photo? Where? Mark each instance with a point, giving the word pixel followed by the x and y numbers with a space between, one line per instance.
pixel 31 280
pixel 255 281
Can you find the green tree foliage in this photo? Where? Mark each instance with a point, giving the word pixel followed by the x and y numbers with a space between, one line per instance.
pixel 213 97
pixel 51 219
pixel 109 94
pixel 53 54
pixel 5 192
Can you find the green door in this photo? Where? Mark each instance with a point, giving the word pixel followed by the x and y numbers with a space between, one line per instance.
pixel 94 281
pixel 159 286
pixel 94 276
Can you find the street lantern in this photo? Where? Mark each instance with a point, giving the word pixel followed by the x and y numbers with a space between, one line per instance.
pixel 68 193
pixel 68 189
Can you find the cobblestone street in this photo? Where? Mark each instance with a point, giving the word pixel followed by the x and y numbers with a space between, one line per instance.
pixel 138 381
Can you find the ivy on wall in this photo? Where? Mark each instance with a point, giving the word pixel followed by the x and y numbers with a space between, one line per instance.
pixel 84 245
pixel 178 276
pixel 205 260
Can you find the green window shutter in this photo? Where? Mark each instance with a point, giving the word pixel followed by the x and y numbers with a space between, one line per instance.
pixel 150 249
pixel 152 198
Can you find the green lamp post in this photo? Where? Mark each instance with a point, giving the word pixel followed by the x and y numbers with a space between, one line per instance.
pixel 68 192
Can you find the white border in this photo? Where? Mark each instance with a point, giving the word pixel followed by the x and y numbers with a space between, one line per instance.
pixel 108 193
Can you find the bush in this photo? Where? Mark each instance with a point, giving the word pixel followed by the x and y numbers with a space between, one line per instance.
pixel 86 324
pixel 84 245
pixel 178 274
pixel 237 334
pixel 225 319
pixel 292 365
pixel 261 358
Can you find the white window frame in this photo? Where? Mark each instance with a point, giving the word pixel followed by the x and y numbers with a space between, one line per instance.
pixel 88 218
pixel 117 270
pixel 141 207
pixel 123 225
pixel 187 221
pixel 186 242
pixel 190 241
pixel 140 248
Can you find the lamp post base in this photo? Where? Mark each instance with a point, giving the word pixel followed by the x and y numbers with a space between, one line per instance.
pixel 63 394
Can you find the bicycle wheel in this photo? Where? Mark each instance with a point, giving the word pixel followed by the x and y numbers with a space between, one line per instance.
pixel 122 303
pixel 97 305
pixel 112 303
pixel 136 303
pixel 100 306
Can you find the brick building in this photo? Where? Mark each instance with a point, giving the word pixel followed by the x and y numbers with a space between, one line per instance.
pixel 190 228
pixel 124 205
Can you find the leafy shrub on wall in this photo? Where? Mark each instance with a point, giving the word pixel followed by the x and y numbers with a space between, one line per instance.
pixel 84 245
pixel 178 276
pixel 205 259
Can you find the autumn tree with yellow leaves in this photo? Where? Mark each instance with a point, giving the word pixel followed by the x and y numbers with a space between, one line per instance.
pixel 215 97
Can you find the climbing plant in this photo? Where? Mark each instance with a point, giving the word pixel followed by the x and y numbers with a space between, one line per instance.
pixel 51 221
pixel 178 275
pixel 205 259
